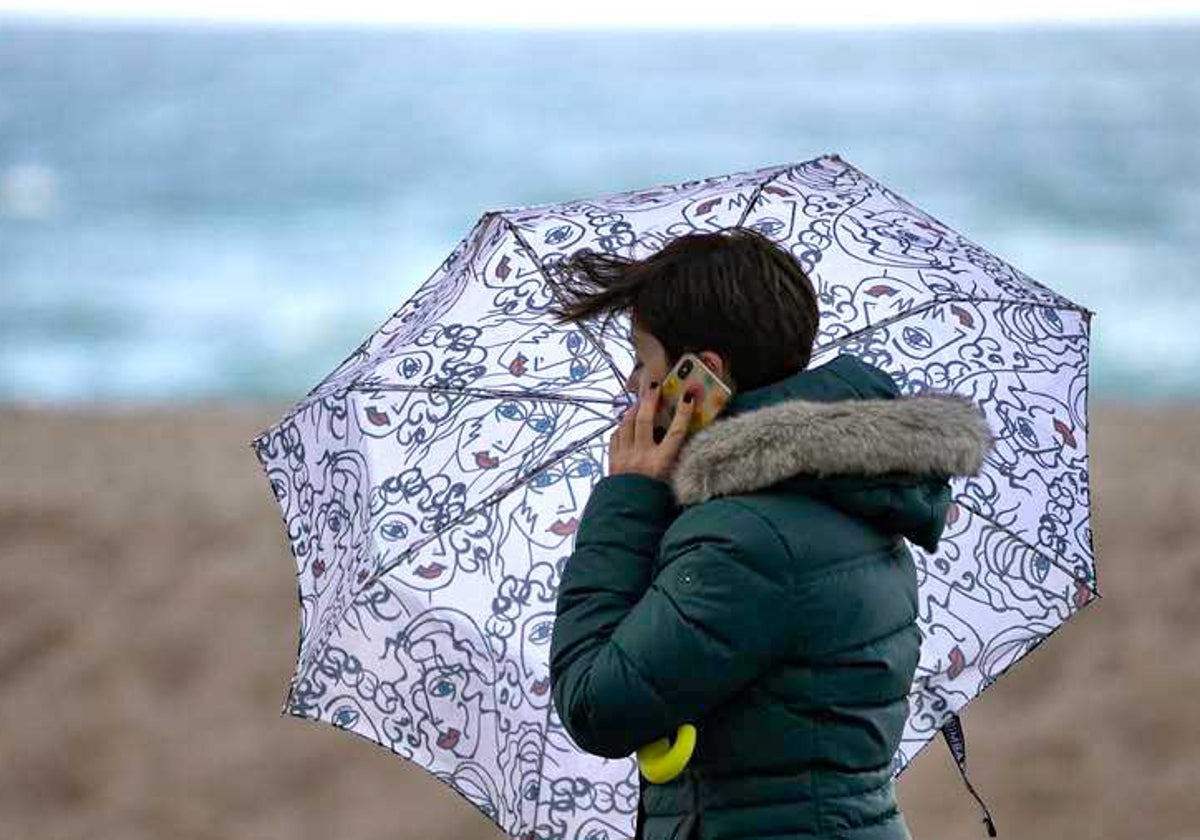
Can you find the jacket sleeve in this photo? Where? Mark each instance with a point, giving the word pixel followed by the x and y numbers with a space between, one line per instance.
pixel 634 654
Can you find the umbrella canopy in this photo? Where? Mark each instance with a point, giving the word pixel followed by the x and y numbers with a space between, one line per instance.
pixel 431 484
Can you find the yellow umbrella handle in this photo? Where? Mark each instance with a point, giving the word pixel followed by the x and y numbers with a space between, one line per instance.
pixel 660 761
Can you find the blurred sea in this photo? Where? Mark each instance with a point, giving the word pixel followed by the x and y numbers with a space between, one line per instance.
pixel 206 212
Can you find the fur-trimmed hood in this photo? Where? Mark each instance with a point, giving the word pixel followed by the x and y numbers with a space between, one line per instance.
pixel 843 432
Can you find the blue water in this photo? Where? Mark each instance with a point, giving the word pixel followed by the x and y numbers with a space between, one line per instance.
pixel 191 213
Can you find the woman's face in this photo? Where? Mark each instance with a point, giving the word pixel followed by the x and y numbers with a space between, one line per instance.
pixel 651 363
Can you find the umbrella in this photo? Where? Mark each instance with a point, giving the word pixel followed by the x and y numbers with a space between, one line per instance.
pixel 430 484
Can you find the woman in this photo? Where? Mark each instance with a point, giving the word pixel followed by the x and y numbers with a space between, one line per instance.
pixel 753 580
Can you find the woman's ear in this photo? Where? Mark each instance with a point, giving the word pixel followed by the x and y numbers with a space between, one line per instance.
pixel 717 365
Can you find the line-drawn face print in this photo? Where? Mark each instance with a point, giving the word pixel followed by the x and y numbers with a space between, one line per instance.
pixel 404 419
pixel 896 237
pixel 545 355
pixel 931 335
pixel 571 359
pixel 338 528
pixel 948 644
pixel 429 567
pixel 490 438
pixel 1028 585
pixel 487 443
pixel 455 718
pixel 1037 429
pixel 467 547
pixel 424 570
pixel 501 437
pixel 496 438
pixel 455 669
pixel 520 761
pixel 536 632
pixel 516 598
pixel 561 489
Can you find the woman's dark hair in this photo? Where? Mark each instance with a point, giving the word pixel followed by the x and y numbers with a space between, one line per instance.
pixel 733 291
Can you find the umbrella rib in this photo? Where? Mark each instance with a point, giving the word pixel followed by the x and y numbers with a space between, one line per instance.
pixel 491 394
pixel 483 393
pixel 758 192
pixel 1053 559
pixel 887 322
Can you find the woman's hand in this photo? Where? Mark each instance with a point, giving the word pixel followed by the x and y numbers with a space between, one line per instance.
pixel 631 448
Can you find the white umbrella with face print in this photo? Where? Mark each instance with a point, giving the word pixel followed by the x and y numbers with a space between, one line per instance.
pixel 431 484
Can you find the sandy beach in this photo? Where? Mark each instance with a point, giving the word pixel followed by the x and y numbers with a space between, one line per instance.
pixel 149 632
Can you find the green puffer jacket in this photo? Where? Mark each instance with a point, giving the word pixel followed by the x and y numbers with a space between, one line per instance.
pixel 765 593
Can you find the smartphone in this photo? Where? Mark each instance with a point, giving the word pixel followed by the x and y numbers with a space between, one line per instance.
pixel 690 374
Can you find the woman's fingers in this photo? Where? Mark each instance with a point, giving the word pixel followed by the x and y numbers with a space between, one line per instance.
pixel 647 406
pixel 678 430
pixel 625 427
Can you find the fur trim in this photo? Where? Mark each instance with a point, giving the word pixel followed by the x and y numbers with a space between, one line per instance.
pixel 939 432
